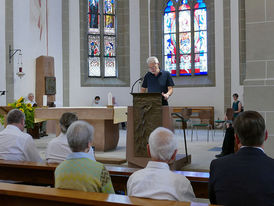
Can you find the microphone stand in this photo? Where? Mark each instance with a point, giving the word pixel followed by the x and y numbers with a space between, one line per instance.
pixel 140 79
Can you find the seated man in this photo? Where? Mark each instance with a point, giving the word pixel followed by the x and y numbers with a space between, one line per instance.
pixel 58 148
pixel 156 181
pixel 30 100
pixel 14 143
pixel 79 171
pixel 246 177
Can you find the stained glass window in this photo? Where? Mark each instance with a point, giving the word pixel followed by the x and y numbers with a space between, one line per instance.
pixel 102 38
pixel 190 39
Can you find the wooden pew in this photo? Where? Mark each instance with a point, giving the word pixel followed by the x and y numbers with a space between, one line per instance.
pixel 43 174
pixel 20 195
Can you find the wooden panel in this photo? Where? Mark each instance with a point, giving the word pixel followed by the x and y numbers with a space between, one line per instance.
pixel 44 67
pixel 196 110
pixel 83 113
pixel 147 116
pixel 135 161
pixel 11 194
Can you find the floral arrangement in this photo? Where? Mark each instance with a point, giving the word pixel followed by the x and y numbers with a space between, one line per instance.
pixel 2 119
pixel 27 109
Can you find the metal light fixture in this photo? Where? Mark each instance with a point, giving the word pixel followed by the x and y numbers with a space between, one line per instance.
pixel 12 52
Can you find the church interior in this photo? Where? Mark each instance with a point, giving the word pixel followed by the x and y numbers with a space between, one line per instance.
pixel 86 52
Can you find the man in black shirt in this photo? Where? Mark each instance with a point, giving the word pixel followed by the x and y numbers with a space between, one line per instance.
pixel 157 80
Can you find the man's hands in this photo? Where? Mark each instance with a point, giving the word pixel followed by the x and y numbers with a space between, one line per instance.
pixel 165 95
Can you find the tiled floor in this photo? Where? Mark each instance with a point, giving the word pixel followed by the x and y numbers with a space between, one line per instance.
pixel 201 157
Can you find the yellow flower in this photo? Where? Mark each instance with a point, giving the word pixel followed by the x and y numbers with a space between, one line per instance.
pixel 29 108
pixel 20 99
pixel 29 105
pixel 9 104
pixel 18 105
pixel 21 110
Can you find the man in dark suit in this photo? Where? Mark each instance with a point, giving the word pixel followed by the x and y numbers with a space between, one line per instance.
pixel 246 177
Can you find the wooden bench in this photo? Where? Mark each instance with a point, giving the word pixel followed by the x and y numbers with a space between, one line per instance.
pixel 18 195
pixel 43 174
pixel 196 110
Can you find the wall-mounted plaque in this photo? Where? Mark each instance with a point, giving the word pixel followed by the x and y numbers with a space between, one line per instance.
pixel 50 85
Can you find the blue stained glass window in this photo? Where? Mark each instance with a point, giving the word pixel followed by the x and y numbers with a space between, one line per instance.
pixel 170 44
pixel 102 39
pixel 201 64
pixel 94 45
pixel 93 16
pixel 109 46
pixel 109 7
pixel 191 40
pixel 200 21
pixel 185 43
pixel 185 65
pixel 170 7
pixel 170 22
pixel 200 4
pixel 184 21
pixel 170 64
pixel 200 42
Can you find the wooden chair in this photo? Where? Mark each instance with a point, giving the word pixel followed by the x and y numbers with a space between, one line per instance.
pixel 228 119
pixel 184 117
pixel 204 116
pixel 229 114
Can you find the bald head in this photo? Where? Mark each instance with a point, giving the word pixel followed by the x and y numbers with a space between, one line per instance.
pixel 162 144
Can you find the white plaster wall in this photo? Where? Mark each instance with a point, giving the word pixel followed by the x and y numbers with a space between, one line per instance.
pixel 235 69
pixel 2 53
pixel 27 38
pixel 55 45
pixel 208 96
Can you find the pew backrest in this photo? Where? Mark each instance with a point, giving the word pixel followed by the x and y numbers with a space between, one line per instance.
pixel 43 174
pixel 12 194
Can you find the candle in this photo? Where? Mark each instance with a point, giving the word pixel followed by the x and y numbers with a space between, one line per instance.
pixel 45 100
pixel 109 99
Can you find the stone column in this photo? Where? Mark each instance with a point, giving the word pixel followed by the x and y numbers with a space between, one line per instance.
pixel 259 82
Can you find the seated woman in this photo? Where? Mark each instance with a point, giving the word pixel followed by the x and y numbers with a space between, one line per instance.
pixel 58 148
pixel 79 171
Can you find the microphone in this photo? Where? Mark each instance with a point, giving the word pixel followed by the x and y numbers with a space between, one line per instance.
pixel 140 79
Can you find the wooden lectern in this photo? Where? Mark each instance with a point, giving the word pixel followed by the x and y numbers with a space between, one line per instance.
pixel 146 114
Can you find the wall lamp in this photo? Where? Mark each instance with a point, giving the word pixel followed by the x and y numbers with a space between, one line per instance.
pixel 2 93
pixel 12 52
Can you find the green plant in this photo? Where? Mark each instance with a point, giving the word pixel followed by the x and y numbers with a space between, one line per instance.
pixel 2 119
pixel 27 109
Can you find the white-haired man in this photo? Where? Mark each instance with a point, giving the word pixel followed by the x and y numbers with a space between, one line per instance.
pixel 156 181
pixel 157 80
pixel 14 143
pixel 31 100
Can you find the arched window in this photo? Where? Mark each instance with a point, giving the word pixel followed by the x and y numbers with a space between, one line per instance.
pixel 185 37
pixel 101 38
